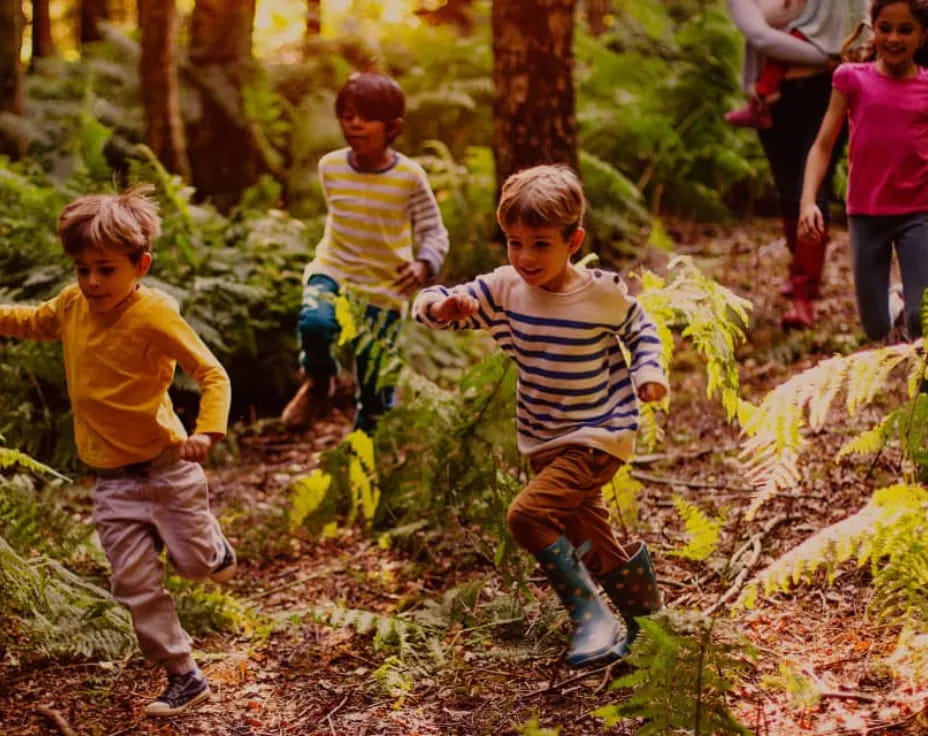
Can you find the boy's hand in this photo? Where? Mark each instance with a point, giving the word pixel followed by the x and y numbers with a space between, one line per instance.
pixel 195 448
pixel 411 276
pixel 652 392
pixel 453 308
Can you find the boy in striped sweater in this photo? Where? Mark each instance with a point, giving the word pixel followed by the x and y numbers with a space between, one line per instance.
pixel 577 400
pixel 378 202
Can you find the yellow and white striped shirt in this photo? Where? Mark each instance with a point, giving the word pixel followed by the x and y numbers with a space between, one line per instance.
pixel 372 220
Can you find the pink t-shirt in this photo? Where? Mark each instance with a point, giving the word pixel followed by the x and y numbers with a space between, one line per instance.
pixel 888 152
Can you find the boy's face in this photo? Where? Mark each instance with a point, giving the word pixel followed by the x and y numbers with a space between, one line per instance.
pixel 541 255
pixel 107 276
pixel 367 138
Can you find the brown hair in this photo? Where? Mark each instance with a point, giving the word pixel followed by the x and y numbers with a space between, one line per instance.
pixel 373 96
pixel 867 51
pixel 127 221
pixel 543 196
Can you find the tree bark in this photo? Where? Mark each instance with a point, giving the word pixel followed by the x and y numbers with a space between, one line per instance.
pixel 533 110
pixel 42 43
pixel 223 155
pixel 92 12
pixel 596 12
pixel 313 18
pixel 164 130
pixel 11 73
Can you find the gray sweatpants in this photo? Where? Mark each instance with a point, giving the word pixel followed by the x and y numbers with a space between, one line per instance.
pixel 137 514
pixel 872 241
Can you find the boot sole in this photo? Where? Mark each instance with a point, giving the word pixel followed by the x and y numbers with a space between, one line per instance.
pixel 604 656
pixel 152 712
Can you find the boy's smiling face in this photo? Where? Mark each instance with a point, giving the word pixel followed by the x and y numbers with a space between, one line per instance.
pixel 107 276
pixel 541 255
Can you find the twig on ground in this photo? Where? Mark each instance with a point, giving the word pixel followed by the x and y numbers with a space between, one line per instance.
pixel 673 456
pixel 55 717
pixel 328 716
pixel 668 481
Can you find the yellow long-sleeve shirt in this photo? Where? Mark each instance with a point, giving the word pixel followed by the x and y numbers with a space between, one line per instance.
pixel 119 365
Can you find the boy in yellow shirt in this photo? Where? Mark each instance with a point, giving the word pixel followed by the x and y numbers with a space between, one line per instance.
pixel 121 343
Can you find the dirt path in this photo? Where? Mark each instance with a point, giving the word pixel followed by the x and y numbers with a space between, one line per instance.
pixel 314 679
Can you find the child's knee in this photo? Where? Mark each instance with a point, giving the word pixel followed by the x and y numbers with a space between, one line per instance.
pixel 317 322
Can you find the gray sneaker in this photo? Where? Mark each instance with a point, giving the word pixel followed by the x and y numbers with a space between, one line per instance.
pixel 181 692
pixel 225 570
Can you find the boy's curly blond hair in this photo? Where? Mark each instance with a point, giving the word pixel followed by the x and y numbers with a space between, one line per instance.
pixel 549 195
pixel 127 221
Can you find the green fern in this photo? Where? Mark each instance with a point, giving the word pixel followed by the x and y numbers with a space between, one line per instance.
pixel 621 496
pixel 703 531
pixel 59 614
pixel 712 316
pixel 684 672
pixel 774 441
pixel 886 532
pixel 399 634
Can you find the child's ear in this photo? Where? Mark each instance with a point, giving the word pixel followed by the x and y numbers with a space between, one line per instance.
pixel 394 128
pixel 576 240
pixel 141 268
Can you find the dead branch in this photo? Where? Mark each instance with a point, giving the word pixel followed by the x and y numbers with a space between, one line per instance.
pixel 56 718
pixel 668 481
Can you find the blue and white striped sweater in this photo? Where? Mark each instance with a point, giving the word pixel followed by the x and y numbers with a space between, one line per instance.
pixel 575 387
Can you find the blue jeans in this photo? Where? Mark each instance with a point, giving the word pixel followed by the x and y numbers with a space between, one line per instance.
pixel 318 331
pixel 872 241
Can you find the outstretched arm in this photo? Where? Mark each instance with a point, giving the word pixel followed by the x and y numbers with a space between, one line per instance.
pixel 811 222
pixel 33 322
pixel 769 41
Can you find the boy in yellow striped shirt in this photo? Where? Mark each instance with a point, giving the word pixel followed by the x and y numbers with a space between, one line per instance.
pixel 379 202
pixel 121 343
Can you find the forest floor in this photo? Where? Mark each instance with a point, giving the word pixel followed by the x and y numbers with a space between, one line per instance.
pixel 312 679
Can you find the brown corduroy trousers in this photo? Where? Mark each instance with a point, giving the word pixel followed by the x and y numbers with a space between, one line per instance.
pixel 565 498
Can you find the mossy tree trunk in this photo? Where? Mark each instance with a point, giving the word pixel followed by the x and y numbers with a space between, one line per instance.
pixel 164 128
pixel 92 12
pixel 533 112
pixel 223 156
pixel 11 75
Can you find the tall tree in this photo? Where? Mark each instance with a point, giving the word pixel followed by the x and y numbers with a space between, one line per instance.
pixel 92 12
pixel 42 43
pixel 313 18
pixel 596 12
pixel 164 129
pixel 223 156
pixel 11 74
pixel 533 109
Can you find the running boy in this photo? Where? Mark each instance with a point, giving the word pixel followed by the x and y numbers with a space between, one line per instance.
pixel 378 201
pixel 121 343
pixel 577 399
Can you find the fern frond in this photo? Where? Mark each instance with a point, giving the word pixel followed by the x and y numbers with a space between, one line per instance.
pixel 621 497
pixel 713 317
pixel 703 531
pixel 878 531
pixel 773 430
pixel 61 614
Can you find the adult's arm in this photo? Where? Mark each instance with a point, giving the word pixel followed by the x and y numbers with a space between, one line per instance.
pixel 770 41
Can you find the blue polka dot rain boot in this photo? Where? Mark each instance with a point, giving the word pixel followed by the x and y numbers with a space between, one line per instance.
pixel 596 638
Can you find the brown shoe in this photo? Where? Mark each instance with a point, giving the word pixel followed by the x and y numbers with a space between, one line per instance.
pixel 309 402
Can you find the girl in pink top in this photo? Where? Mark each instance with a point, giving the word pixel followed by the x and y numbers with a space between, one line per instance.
pixel 886 102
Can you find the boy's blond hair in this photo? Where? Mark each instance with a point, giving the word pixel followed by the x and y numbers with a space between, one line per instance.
pixel 542 196
pixel 127 221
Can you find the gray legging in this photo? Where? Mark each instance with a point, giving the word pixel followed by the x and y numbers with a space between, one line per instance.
pixel 872 241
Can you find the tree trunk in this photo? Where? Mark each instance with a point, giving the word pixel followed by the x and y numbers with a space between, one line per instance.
pixel 42 43
pixel 223 155
pixel 164 131
pixel 596 12
pixel 92 12
pixel 11 73
pixel 533 109
pixel 313 18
